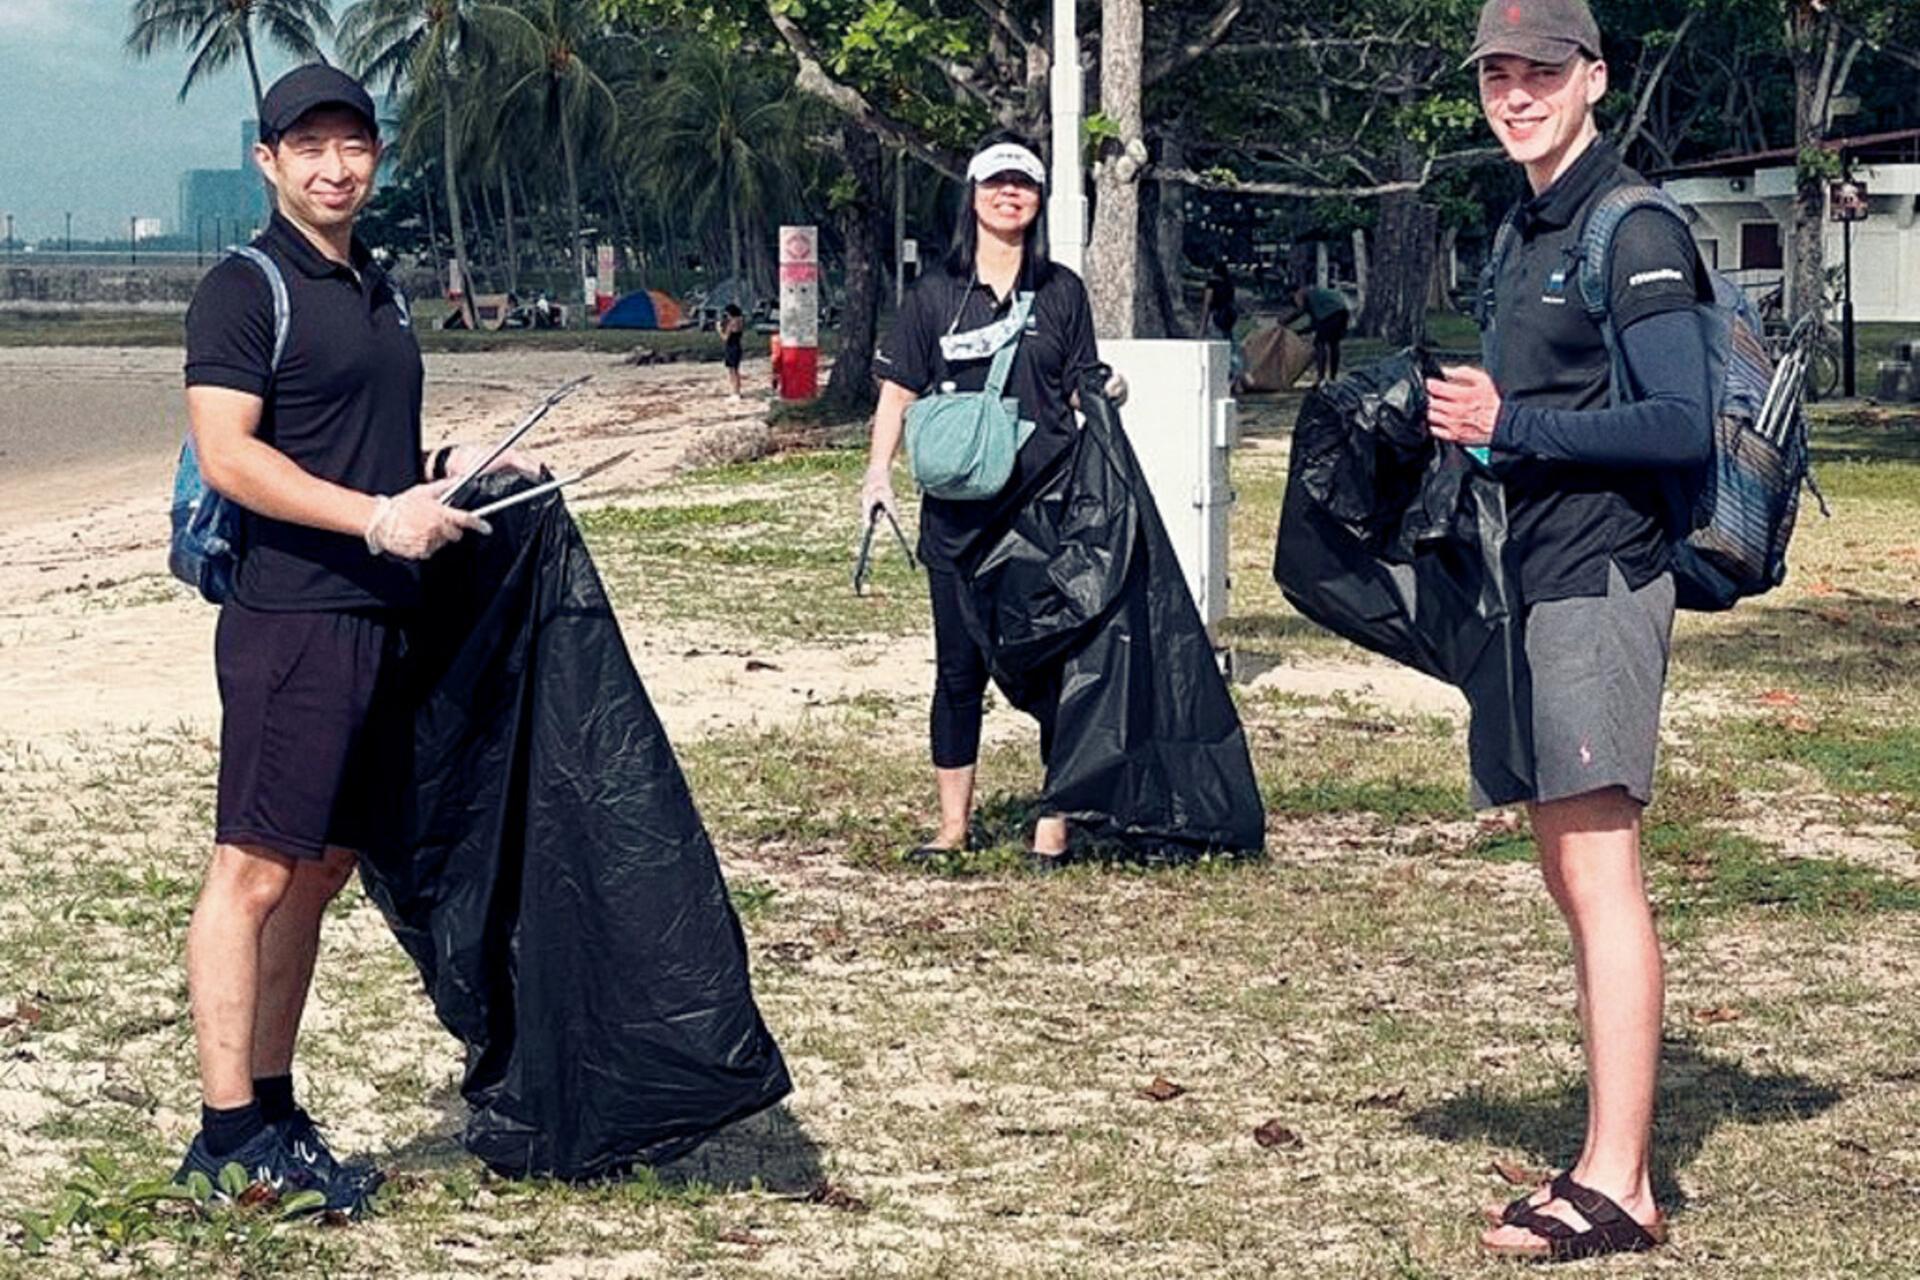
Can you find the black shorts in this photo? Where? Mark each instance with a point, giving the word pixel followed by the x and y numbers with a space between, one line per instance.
pixel 315 742
pixel 1333 328
pixel 733 354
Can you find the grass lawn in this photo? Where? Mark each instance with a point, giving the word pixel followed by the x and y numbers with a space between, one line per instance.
pixel 1386 997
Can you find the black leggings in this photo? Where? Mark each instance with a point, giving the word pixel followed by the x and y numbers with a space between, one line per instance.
pixel 960 680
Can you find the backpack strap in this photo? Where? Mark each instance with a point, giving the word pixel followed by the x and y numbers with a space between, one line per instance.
pixel 1595 271
pixel 1484 311
pixel 1003 358
pixel 282 307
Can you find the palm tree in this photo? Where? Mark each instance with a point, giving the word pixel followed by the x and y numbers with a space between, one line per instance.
pixel 551 40
pixel 215 31
pixel 425 44
pixel 723 131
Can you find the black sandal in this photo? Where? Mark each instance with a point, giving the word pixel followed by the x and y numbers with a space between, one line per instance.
pixel 1610 1229
pixel 927 854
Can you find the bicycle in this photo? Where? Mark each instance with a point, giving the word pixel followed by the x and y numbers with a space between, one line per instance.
pixel 1819 335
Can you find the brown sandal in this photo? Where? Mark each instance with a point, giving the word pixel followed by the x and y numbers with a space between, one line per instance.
pixel 1610 1229
pixel 1507 1215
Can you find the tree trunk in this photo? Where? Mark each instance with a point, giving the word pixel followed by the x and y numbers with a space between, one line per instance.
pixel 253 68
pixel 456 224
pixel 850 388
pixel 1113 257
pixel 1164 218
pixel 1396 306
pixel 733 233
pixel 1810 41
pixel 1362 282
pixel 1440 293
pixel 433 237
pixel 573 215
pixel 1403 241
pixel 513 242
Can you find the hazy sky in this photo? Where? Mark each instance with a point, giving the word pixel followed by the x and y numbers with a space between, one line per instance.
pixel 84 127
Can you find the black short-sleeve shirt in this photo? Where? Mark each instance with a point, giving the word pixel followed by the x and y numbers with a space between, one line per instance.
pixel 344 406
pixel 1056 350
pixel 1568 520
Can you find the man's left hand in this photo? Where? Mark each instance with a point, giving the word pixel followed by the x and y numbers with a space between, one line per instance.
pixel 465 457
pixel 1116 389
pixel 1463 407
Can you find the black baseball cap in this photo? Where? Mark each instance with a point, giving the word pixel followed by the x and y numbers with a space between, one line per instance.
pixel 307 88
pixel 1548 31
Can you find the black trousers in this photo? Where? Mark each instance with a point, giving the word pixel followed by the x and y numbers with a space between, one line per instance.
pixel 1326 344
pixel 960 680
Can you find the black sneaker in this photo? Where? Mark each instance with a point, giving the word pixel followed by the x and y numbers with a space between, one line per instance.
pixel 267 1161
pixel 308 1148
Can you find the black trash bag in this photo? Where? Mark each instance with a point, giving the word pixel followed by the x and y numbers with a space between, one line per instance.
pixel 1079 603
pixel 1396 541
pixel 552 879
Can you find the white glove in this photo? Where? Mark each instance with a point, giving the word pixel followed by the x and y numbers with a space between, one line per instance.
pixel 1116 389
pixel 465 457
pixel 877 492
pixel 413 525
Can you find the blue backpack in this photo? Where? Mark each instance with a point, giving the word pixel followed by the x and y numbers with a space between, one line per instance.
pixel 204 551
pixel 1733 518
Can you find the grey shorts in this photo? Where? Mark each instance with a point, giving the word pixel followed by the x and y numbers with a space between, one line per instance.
pixel 1598 667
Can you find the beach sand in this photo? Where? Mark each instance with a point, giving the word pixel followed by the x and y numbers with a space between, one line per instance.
pixel 94 635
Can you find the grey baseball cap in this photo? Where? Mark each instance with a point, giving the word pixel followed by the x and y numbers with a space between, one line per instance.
pixel 1549 31
pixel 308 88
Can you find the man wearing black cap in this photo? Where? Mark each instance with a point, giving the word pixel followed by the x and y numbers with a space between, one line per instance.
pixel 1590 535
pixel 317 439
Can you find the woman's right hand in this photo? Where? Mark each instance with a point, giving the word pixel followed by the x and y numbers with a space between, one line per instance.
pixel 877 492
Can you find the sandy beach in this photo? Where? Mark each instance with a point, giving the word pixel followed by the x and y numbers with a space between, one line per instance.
pixel 95 636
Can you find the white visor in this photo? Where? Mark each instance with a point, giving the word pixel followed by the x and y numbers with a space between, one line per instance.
pixel 1006 157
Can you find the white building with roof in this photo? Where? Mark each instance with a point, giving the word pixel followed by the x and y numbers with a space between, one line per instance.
pixel 1742 211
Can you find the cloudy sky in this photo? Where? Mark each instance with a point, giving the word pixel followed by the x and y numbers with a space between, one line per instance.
pixel 84 127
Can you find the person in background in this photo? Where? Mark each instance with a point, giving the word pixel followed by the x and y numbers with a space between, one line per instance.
pixel 733 325
pixel 1324 314
pixel 1218 303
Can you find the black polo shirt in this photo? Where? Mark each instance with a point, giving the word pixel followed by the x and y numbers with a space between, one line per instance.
pixel 344 406
pixel 1568 520
pixel 1056 350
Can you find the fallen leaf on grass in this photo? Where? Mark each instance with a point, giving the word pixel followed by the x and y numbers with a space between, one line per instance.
pixel 1517 1175
pixel 1274 1135
pixel 743 1237
pixel 1161 1090
pixel 834 1196
pixel 1854 1145
pixel 1821 587
pixel 24 1014
pixel 1384 1101
pixel 258 1193
pixel 755 664
pixel 1800 724
pixel 1779 698
pixel 1714 1016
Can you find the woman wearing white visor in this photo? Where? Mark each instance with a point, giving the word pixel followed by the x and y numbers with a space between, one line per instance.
pixel 998 293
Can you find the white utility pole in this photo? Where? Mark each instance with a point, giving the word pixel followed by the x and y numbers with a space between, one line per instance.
pixel 1067 203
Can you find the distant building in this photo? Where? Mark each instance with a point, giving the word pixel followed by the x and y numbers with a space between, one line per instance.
pixel 223 205
pixel 1742 211
pixel 148 229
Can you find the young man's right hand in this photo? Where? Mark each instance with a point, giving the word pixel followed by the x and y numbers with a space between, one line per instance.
pixel 413 525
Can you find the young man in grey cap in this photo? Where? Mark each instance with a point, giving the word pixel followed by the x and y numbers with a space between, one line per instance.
pixel 1591 536
pixel 318 441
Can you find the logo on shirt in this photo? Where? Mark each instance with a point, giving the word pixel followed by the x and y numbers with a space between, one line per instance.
pixel 1556 294
pixel 1654 277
